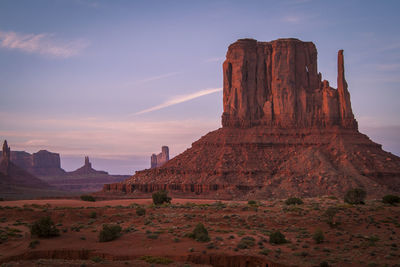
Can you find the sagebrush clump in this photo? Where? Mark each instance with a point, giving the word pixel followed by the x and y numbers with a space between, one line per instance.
pixel 44 228
pixel 355 196
pixel 140 211
pixel 391 199
pixel 200 233
pixel 294 201
pixel 161 197
pixel 319 236
pixel 109 232
pixel 277 238
pixel 88 198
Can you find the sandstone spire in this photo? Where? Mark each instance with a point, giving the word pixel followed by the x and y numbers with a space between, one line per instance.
pixel 87 162
pixel 346 112
pixel 6 151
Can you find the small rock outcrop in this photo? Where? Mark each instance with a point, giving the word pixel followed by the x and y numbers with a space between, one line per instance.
pixel 285 132
pixel 160 159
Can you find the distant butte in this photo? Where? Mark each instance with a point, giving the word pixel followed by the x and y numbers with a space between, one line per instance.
pixel 285 132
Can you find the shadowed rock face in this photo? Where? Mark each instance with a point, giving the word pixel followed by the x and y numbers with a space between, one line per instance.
pixel 285 133
pixel 160 159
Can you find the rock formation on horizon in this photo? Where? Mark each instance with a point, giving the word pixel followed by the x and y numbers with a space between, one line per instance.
pixel 41 163
pixel 14 180
pixel 87 169
pixel 285 132
pixel 160 159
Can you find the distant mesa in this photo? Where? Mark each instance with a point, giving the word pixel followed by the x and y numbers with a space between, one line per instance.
pixel 285 132
pixel 160 159
pixel 14 181
pixel 41 163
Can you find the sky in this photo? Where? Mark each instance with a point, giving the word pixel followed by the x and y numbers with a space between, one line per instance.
pixel 116 80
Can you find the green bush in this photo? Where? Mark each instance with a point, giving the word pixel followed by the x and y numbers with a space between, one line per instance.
pixel 246 242
pixel 109 232
pixel 45 228
pixel 161 197
pixel 355 196
pixel 294 201
pixel 391 199
pixel 318 236
pixel 88 198
pixel 140 211
pixel 156 260
pixel 93 215
pixel 277 238
pixel 252 202
pixel 200 233
pixel 330 214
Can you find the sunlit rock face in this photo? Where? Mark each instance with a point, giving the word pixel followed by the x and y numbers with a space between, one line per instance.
pixel 277 84
pixel 285 132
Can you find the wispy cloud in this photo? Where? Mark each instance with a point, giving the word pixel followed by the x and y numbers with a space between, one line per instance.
pixel 180 99
pixel 388 66
pixel 43 43
pixel 292 19
pixel 157 77
pixel 214 59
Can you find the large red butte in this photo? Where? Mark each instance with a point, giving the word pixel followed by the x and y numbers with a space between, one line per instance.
pixel 285 132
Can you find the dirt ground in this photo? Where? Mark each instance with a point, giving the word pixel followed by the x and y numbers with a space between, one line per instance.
pixel 239 232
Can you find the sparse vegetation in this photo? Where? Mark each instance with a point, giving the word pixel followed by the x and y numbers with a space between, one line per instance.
pixel 156 260
pixel 140 211
pixel 44 228
pixel 109 232
pixel 161 197
pixel 88 198
pixel 391 199
pixel 319 236
pixel 294 201
pixel 200 233
pixel 246 242
pixel 34 243
pixel 355 196
pixel 330 213
pixel 277 238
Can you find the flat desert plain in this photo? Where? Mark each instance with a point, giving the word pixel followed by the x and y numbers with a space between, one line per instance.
pixel 239 233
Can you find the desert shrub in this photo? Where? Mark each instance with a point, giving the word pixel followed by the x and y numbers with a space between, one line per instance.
pixel 200 233
pixel 265 252
pixel 88 198
pixel 294 201
pixel 324 264
pixel 355 196
pixel 330 214
pixel 93 215
pixel 246 242
pixel 318 236
pixel 109 232
pixel 161 197
pixel 277 238
pixel 156 260
pixel 45 228
pixel 252 202
pixel 140 211
pixel 34 243
pixel 391 199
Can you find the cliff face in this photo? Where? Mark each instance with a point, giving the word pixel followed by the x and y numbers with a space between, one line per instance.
pixel 277 84
pixel 285 133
